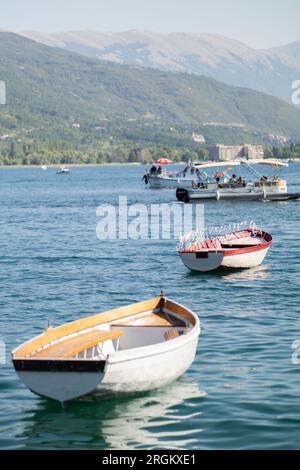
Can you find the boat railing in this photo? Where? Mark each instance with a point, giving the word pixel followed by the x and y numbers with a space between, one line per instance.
pixel 262 184
pixel 268 183
pixel 216 235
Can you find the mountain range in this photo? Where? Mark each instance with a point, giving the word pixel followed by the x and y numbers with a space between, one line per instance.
pixel 271 71
pixel 57 95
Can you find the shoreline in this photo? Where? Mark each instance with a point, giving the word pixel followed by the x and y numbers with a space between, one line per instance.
pixel 74 165
pixel 71 165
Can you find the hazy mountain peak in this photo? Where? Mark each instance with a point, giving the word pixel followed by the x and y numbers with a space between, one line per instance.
pixel 225 59
pixel 291 50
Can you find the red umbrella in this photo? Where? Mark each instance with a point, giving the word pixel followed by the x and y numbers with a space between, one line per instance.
pixel 163 161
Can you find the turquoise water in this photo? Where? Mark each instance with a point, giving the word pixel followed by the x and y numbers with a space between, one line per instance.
pixel 242 391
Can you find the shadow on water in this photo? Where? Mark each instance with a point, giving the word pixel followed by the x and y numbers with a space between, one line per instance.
pixel 144 420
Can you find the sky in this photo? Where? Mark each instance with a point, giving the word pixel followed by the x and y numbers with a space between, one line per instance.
pixel 258 23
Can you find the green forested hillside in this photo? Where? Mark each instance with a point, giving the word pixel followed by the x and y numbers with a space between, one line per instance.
pixel 61 103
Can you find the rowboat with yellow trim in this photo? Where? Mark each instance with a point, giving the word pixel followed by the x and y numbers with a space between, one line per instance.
pixel 133 348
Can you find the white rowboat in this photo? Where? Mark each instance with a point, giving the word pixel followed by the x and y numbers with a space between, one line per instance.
pixel 245 248
pixel 134 348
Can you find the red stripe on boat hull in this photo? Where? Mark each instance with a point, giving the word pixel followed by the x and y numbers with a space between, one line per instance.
pixel 249 249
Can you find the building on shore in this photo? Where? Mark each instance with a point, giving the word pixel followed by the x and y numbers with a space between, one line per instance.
pixel 199 138
pixel 253 152
pixel 235 152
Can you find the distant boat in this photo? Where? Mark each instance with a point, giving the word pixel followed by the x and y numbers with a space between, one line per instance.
pixel 134 348
pixel 224 186
pixel 63 170
pixel 242 248
pixel 176 179
pixel 44 167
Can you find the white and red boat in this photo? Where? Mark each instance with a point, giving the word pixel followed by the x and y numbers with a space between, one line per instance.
pixel 241 248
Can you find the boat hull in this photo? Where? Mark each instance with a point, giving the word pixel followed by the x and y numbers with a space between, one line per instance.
pixel 170 183
pixel 282 196
pixel 193 195
pixel 210 262
pixel 61 386
pixel 248 259
pixel 157 369
pixel 129 371
pixel 215 260
pixel 60 380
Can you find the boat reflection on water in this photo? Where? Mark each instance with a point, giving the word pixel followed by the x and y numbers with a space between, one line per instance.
pixel 233 275
pixel 251 274
pixel 160 418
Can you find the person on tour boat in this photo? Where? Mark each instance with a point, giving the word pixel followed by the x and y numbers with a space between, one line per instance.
pixel 159 170
pixel 185 171
pixel 263 179
pixel 146 177
pixel 153 170
pixel 241 182
pixel 233 181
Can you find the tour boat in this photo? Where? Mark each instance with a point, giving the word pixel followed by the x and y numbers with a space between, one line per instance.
pixel 242 248
pixel 174 179
pixel 226 185
pixel 134 348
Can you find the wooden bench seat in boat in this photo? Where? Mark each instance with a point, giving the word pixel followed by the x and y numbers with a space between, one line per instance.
pixel 152 319
pixel 69 347
pixel 163 310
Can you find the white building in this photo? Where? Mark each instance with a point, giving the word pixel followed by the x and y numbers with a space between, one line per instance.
pixel 199 138
pixel 235 152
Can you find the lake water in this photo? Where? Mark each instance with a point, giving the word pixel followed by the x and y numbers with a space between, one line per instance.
pixel 242 391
